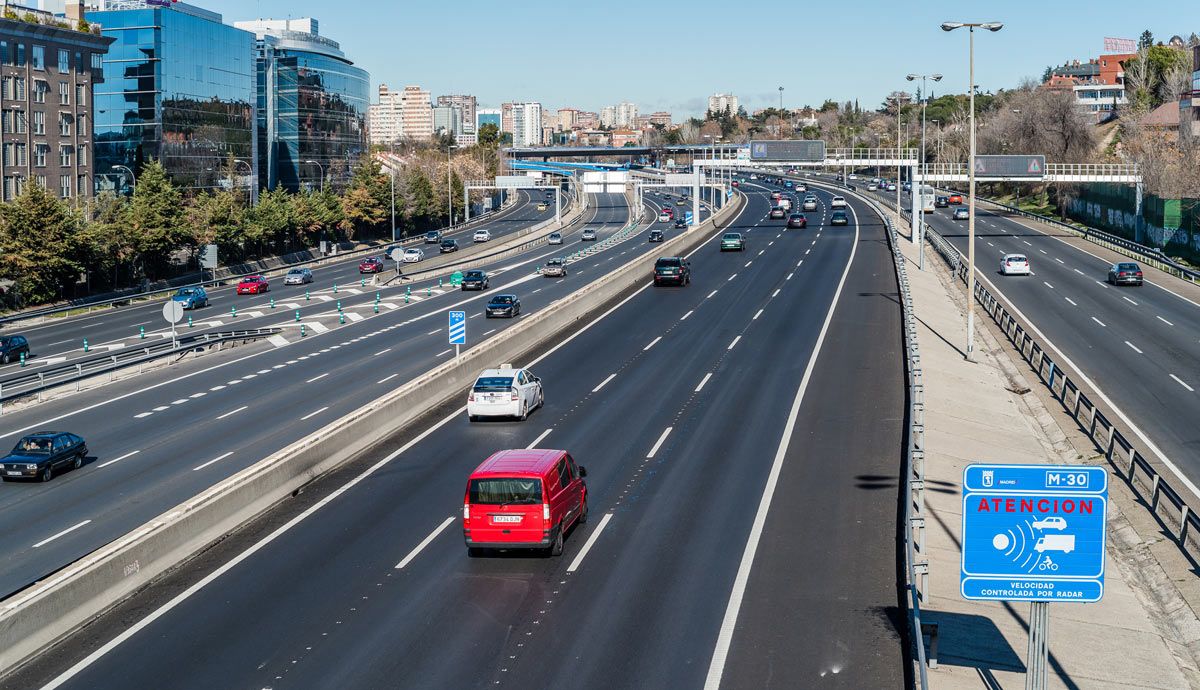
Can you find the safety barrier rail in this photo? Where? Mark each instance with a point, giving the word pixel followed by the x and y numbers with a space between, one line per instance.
pixel 42 379
pixel 1142 477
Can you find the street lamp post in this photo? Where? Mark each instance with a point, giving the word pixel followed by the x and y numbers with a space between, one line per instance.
pixel 990 26
pixel 253 185
pixel 449 190
pixel 132 177
pixel 939 139
pixel 781 102
pixel 899 108
pixel 322 169
pixel 919 229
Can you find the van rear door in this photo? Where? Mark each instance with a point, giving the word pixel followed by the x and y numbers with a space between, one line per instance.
pixel 505 510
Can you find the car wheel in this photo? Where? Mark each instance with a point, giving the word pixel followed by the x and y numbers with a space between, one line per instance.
pixel 541 399
pixel 78 461
pixel 556 548
pixel 524 413
pixel 47 474
pixel 583 514
pixel 5 359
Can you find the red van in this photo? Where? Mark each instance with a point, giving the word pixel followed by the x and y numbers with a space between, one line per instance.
pixel 523 499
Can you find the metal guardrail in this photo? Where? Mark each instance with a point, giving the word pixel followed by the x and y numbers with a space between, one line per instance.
pixel 36 382
pixel 165 291
pixel 1128 462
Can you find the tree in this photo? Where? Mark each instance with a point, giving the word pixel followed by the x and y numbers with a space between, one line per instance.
pixel 420 202
pixel 218 218
pixel 156 219
pixel 314 213
pixel 367 202
pixel 270 220
pixel 1049 72
pixel 488 135
pixel 108 246
pixel 1145 40
pixel 39 245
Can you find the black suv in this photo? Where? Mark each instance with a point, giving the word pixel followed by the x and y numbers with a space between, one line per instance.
pixel 672 270
pixel 11 347
pixel 475 280
pixel 449 246
pixel 37 456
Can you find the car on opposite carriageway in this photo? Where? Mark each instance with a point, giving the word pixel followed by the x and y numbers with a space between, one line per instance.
pixel 298 276
pixel 253 285
pixel 474 279
pixel 554 268
pixel 191 297
pixel 656 236
pixel 503 306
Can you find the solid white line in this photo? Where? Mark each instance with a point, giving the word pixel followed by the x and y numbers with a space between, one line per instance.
pixel 716 667
pixel 604 383
pixel 1134 347
pixel 760 311
pixel 314 414
pixel 1098 321
pixel 652 343
pixel 734 343
pixel 227 414
pixel 386 349
pixel 1164 320
pixel 684 317
pixel 587 546
pixel 216 459
pixel 1180 382
pixel 703 381
pixel 127 455
pixel 316 378
pixel 443 352
pixel 68 530
pixel 658 444
pixel 1073 304
pixel 711 294
pixel 425 542
pixel 387 378
pixel 540 438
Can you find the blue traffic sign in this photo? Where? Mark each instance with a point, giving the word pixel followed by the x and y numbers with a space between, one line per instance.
pixel 458 328
pixel 687 217
pixel 1034 532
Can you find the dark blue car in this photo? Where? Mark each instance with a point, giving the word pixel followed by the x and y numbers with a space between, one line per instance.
pixel 37 457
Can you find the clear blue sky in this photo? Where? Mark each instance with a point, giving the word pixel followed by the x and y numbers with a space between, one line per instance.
pixel 671 55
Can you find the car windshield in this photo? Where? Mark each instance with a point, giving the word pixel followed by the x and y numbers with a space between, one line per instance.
pixel 473 275
pixel 554 262
pixel 412 251
pixel 185 292
pixel 4 341
pixel 555 236
pixel 493 383
pixel 502 299
pixel 1016 259
pixel 295 272
pixel 506 491
pixel 32 445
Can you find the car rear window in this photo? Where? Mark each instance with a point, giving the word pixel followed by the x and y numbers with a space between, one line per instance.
pixel 667 263
pixel 1127 267
pixel 485 384
pixel 510 491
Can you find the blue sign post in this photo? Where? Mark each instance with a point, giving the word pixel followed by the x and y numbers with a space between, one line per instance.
pixel 458 329
pixel 687 217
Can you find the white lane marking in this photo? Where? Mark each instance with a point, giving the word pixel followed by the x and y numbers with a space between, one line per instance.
pixel 115 460
pixel 1027 243
pixel 489 332
pixel 214 389
pixel 658 444
pixel 989 243
pixel 317 378
pixel 776 293
pixel 1101 284
pixel 1059 260
pixel 161 408
pixel 1078 271
pixel 760 311
pixel 703 381
pixel 734 343
pixel 1042 251
pixel 233 412
pixel 1128 300
pixel 313 414
pixel 142 415
pixel 762 251
pixel 1180 382
pixel 1164 320
pixel 806 253
pixel 475 316
pixel 68 530
pixel 263 371
pixel 541 437
pixel 1073 304
pixel 1133 347
pixel 731 277
pixel 443 353
pixel 387 378
pixel 1047 285
pixel 652 343
pixel 604 383
pixel 748 263
pixel 216 459
pixel 711 294
pixel 789 276
pixel 388 349
pixel 684 317
pixel 198 395
pixel 716 667
pixel 587 546
pixel 434 331
pixel 425 542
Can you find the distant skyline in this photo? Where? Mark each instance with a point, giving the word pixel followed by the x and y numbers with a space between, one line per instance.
pixel 673 55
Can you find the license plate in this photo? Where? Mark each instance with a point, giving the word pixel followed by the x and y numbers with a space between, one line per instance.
pixel 13 473
pixel 506 518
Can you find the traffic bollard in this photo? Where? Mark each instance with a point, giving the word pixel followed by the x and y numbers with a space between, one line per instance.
pixel 306 296
pixel 297 316
pixel 335 288
pixel 142 332
pixel 429 292
pixel 341 318
pixel 407 291
pixel 302 333
pixel 22 359
pixel 272 302
pixel 376 297
pixel 233 312
pixel 85 345
pixel 377 307
pixel 339 305
pixel 406 299
pixel 362 282
pixel 439 282
pixel 189 320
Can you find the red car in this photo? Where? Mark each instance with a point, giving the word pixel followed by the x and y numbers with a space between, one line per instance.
pixel 523 499
pixel 253 285
pixel 669 211
pixel 734 183
pixel 371 264
pixel 955 199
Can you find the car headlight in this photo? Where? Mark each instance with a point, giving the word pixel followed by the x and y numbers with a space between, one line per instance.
pixel 31 466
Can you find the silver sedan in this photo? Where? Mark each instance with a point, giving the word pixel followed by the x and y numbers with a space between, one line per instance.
pixel 298 276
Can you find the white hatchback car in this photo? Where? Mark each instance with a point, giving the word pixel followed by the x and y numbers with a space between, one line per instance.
pixel 664 218
pixel 481 236
pixel 413 255
pixel 838 202
pixel 505 392
pixel 1015 265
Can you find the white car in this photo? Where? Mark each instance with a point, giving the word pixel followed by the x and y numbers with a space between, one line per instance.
pixel 555 238
pixel 1015 265
pixel 853 176
pixel 754 177
pixel 810 203
pixel 505 392
pixel 481 236
pixel 664 218
pixel 413 255
pixel 838 202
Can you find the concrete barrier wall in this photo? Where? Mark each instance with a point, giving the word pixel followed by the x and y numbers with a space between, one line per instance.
pixel 34 619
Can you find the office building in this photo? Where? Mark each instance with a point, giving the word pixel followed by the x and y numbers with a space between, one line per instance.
pixel 487 116
pixel 48 86
pixel 467 105
pixel 566 118
pixel 585 119
pixel 179 87
pixel 608 116
pixel 626 114
pixel 311 105
pixel 416 114
pixel 722 102
pixel 448 119
pixel 527 124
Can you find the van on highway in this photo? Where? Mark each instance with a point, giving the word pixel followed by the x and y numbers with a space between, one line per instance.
pixel 524 499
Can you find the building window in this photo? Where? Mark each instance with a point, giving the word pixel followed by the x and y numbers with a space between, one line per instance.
pixel 78 61
pixel 64 186
pixel 81 119
pixel 39 58
pixel 9 154
pixel 9 187
pixel 81 155
pixel 97 62
pixel 39 155
pixel 64 156
pixel 64 124
pixel 20 62
pixel 64 61
pixel 20 154
pixel 82 190
pixel 64 93
pixel 39 122
pixel 81 94
pixel 19 84
pixel 41 181
pixel 5 56
pixel 40 89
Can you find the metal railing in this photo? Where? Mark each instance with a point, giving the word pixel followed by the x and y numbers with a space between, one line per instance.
pixel 890 154
pixel 1142 477
pixel 1060 172
pixel 42 379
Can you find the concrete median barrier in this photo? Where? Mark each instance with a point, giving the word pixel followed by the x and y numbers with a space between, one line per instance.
pixel 35 618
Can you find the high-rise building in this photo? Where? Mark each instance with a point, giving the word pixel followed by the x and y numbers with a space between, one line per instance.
pixel 720 102
pixel 527 124
pixel 585 119
pixel 566 118
pixel 49 79
pixel 311 105
pixel 180 89
pixel 466 104
pixel 626 114
pixel 506 117
pixel 416 114
pixel 608 116
pixel 383 117
pixel 448 119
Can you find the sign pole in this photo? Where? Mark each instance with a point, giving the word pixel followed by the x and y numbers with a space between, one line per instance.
pixel 1039 640
pixel 457 352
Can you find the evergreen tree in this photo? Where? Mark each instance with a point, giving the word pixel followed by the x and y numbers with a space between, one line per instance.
pixel 156 219
pixel 40 247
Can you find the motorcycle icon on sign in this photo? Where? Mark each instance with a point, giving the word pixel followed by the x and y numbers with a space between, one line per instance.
pixel 1055 542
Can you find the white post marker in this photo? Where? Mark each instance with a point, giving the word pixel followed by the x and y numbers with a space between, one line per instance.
pixel 457 330
pixel 172 311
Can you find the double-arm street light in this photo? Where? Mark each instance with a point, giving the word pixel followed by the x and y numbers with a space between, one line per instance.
pixel 919 228
pixel 253 182
pixel 990 26
pixel 127 169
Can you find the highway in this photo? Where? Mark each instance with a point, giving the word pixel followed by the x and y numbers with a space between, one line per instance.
pixel 742 438
pixel 62 338
pixel 1139 345
pixel 161 437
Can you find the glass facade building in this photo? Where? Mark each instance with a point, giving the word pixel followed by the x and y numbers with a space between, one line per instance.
pixel 312 106
pixel 179 87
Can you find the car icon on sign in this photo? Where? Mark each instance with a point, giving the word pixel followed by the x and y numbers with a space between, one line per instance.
pixel 1053 522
